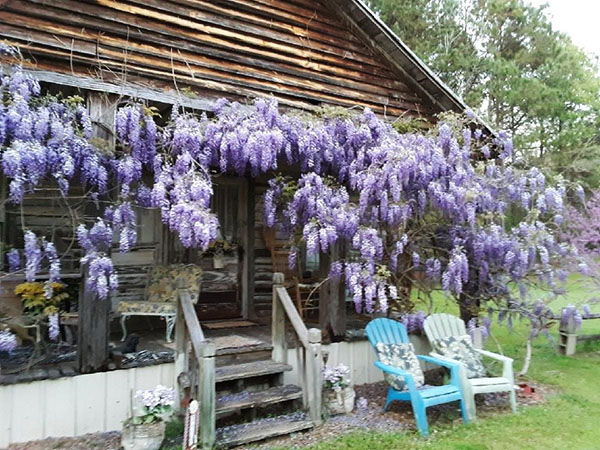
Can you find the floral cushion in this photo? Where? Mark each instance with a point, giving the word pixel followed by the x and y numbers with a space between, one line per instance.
pixel 160 288
pixel 403 357
pixel 143 307
pixel 187 276
pixel 163 282
pixel 460 348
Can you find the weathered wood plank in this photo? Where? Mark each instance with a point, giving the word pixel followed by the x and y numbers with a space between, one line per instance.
pixel 250 370
pixel 191 321
pixel 207 394
pixel 314 375
pixel 243 400
pixel 293 315
pixel 169 38
pixel 248 207
pixel 278 338
pixel 311 73
pixel 94 323
pixel 318 31
pixel 257 431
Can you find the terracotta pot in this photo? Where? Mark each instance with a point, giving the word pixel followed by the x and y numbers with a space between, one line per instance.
pixel 340 402
pixel 143 436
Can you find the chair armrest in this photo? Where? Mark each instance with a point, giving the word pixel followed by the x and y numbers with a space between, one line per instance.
pixel 408 378
pixel 493 355
pixel 507 369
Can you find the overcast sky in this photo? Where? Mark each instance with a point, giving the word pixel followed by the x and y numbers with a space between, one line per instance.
pixel 580 19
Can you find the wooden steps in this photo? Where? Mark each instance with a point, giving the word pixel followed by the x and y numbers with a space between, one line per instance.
pixel 243 400
pixel 249 370
pixel 262 429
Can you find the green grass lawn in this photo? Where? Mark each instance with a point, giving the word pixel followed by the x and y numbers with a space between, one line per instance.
pixel 570 419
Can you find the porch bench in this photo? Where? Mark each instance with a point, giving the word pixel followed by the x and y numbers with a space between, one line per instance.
pixel 161 295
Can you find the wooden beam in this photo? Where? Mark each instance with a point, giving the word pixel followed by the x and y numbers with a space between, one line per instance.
pixel 248 208
pixel 93 329
pixel 332 296
pixel 314 375
pixel 278 338
pixel 337 298
pixel 207 395
pixel 94 312
pixel 125 89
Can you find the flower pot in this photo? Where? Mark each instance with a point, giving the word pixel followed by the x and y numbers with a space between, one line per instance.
pixel 143 436
pixel 341 402
pixel 218 261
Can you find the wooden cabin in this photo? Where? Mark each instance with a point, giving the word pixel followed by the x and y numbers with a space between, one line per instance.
pixel 305 53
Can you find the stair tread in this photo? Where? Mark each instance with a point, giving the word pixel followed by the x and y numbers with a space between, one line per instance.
pixel 262 429
pixel 259 347
pixel 269 396
pixel 248 370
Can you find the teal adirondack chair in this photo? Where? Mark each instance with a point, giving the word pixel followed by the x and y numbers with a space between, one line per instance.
pixel 390 331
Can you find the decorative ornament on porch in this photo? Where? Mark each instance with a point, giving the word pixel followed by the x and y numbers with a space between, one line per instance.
pixel 192 420
pixel 146 429
pixel 339 394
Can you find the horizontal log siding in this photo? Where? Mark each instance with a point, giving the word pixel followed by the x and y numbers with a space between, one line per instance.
pixel 298 50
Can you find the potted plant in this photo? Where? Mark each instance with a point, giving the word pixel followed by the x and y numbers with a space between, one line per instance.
pixel 219 249
pixel 339 394
pixel 146 429
pixel 42 303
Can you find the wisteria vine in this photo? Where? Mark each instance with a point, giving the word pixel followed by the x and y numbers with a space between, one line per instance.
pixel 434 204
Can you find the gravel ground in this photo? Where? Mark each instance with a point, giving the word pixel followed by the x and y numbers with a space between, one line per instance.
pixel 399 417
pixel 97 441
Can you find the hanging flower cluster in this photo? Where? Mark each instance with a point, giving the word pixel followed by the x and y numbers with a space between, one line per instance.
pixel 43 137
pixel 102 278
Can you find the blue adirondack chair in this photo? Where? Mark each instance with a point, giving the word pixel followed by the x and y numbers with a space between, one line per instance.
pixel 391 332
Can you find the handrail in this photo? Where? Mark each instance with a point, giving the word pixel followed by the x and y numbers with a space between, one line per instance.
pixel 200 370
pixel 293 315
pixel 309 356
pixel 191 321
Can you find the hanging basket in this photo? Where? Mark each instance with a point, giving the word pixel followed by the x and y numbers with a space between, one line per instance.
pixel 143 436
pixel 340 402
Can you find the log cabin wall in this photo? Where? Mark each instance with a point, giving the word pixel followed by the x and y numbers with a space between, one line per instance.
pixel 305 53
pixel 300 51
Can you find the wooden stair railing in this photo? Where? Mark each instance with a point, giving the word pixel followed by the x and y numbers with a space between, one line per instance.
pixel 198 371
pixel 308 347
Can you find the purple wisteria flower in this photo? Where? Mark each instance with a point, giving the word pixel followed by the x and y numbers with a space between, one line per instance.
pixel 53 327
pixel 14 260
pixel 414 322
pixel 8 341
pixel 393 202
pixel 33 256
pixel 53 261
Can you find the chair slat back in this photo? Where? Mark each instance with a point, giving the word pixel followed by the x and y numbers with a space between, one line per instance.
pixel 387 331
pixel 442 325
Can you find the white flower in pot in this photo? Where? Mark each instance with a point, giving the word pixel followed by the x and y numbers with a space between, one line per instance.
pixel 339 394
pixel 146 429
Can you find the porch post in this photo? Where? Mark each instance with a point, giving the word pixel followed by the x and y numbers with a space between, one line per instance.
pixel 332 297
pixel 93 329
pixel 94 313
pixel 248 211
